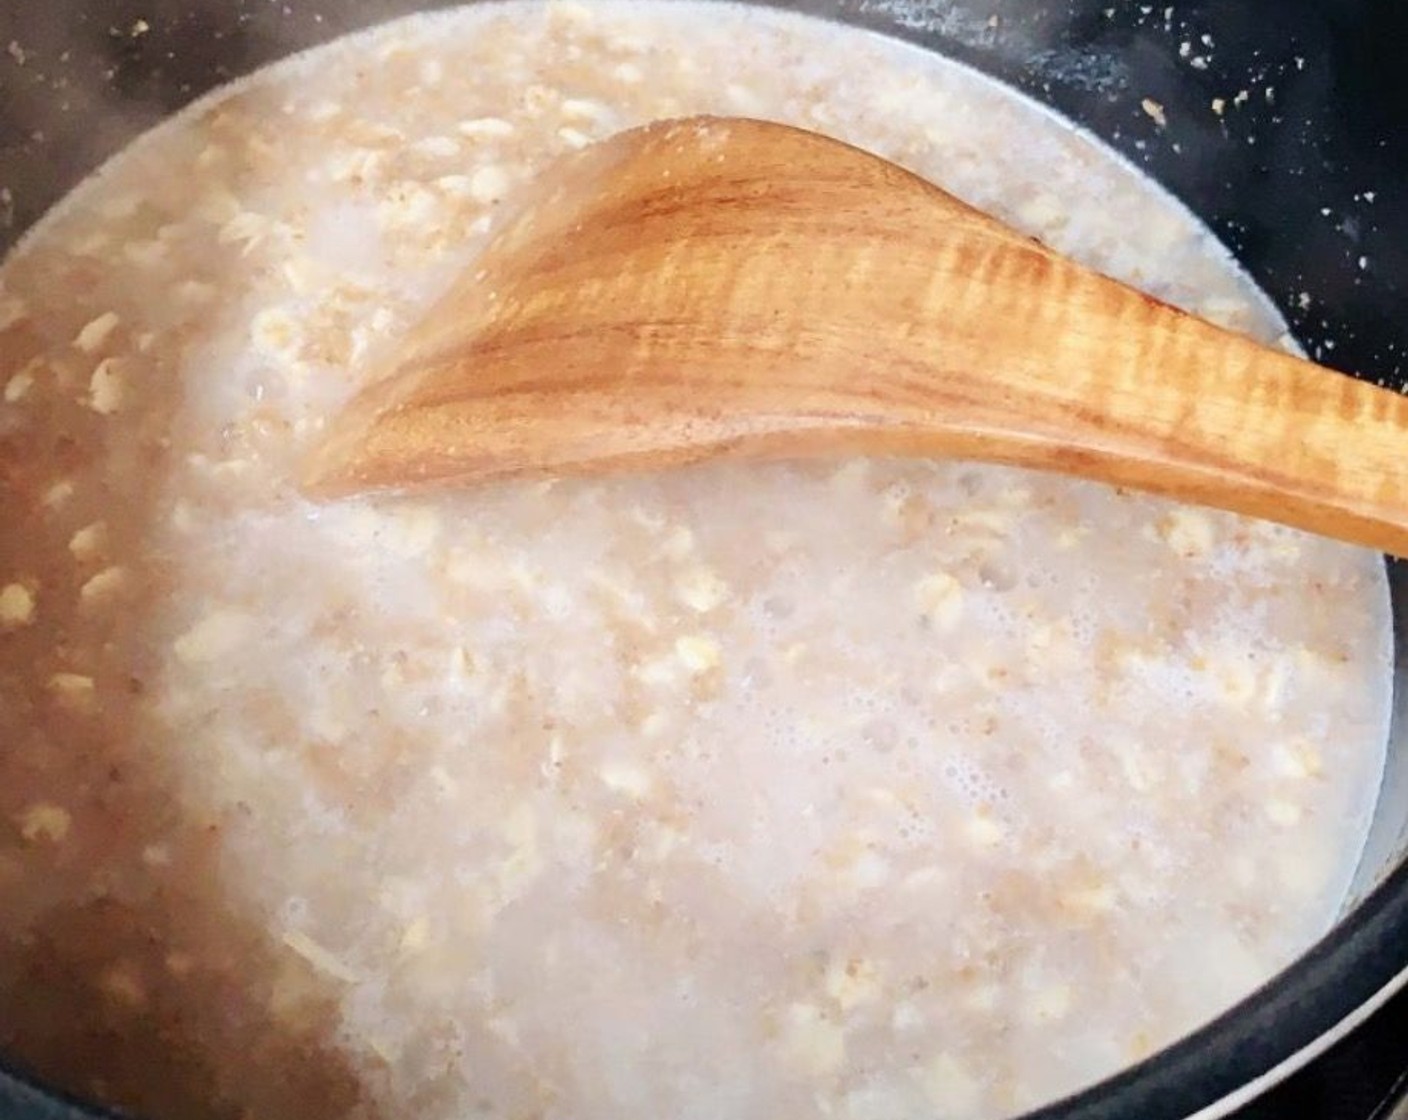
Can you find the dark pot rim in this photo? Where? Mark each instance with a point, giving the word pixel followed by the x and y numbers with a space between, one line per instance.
pixel 1364 958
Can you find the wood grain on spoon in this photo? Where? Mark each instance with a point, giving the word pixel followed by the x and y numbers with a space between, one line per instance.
pixel 715 286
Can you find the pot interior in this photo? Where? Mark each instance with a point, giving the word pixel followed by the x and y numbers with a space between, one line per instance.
pixel 84 83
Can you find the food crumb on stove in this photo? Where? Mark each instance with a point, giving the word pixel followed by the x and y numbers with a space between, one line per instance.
pixel 1154 111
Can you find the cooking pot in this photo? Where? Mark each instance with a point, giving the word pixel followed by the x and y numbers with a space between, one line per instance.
pixel 1279 128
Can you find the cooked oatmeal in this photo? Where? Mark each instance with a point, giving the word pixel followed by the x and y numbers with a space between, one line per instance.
pixel 871 789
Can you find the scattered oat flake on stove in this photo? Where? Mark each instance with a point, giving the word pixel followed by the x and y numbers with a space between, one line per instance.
pixel 1155 111
pixel 17 52
pixel 97 331
pixel 1241 98
pixel 319 957
pixel 1218 105
pixel 16 606
pixel 45 821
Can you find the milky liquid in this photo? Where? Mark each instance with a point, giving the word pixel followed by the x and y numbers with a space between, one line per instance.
pixel 867 789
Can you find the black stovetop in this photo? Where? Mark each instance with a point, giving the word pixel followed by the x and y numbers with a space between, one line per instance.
pixel 1361 1078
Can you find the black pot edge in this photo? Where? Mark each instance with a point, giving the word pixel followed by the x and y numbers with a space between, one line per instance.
pixel 1263 1037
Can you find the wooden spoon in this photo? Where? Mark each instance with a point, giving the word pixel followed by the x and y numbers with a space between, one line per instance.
pixel 717 286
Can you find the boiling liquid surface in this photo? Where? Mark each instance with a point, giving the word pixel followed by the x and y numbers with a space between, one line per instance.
pixel 863 789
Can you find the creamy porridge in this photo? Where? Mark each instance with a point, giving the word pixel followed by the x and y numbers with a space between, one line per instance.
pixel 872 789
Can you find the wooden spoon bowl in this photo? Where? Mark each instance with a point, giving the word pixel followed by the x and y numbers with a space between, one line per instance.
pixel 734 287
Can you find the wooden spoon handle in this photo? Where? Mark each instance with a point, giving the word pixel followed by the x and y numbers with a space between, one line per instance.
pixel 1104 382
pixel 733 287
